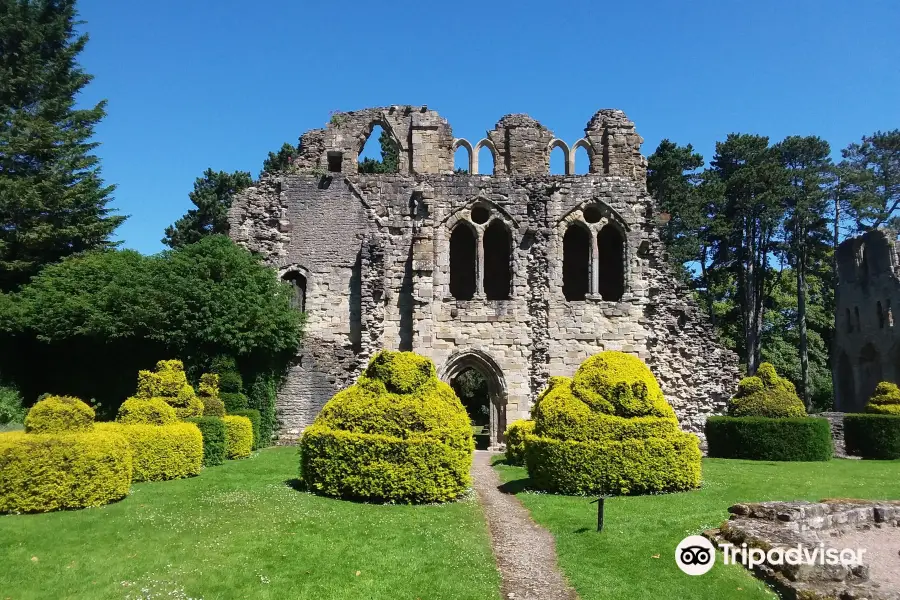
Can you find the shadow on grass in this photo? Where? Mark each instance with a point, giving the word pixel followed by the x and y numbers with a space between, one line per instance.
pixel 515 486
pixel 296 484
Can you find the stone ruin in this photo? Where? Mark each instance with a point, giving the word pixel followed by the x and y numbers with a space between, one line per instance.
pixel 839 524
pixel 867 341
pixel 518 274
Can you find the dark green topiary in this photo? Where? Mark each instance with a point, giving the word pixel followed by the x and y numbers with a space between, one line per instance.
pixel 398 434
pixel 231 382
pixel 764 438
pixel 233 401
pixel 262 396
pixel 609 430
pixel 766 395
pixel 255 419
pixel 873 435
pixel 213 431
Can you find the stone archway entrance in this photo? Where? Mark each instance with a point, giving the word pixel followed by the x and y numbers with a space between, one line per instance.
pixel 459 365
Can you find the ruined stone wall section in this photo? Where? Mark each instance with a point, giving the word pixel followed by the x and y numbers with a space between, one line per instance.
pixel 522 144
pixel 616 146
pixel 867 336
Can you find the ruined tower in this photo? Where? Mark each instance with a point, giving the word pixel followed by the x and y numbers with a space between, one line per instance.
pixel 517 274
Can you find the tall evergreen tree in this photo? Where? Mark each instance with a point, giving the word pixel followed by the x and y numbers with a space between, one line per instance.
pixel 280 161
pixel 53 202
pixel 870 180
pixel 212 196
pixel 806 232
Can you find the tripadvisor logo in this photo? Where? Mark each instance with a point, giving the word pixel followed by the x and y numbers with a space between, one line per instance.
pixel 696 555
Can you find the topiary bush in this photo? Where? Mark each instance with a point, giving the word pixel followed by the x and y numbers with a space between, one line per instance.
pixel 44 472
pixel 59 413
pixel 766 395
pixel 213 432
pixel 208 390
pixel 763 438
pixel 515 440
pixel 161 452
pixel 398 434
pixel 149 411
pixel 609 430
pixel 238 436
pixel 873 435
pixel 255 419
pixel 885 400
pixel 234 401
pixel 170 383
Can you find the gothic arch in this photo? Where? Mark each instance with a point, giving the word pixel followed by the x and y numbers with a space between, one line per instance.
pixel 570 163
pixel 482 362
pixel 490 146
pixel 473 160
pixel 450 220
pixel 586 144
pixel 299 279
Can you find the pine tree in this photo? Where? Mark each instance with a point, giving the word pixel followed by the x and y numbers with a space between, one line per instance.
pixel 280 161
pixel 53 202
pixel 212 196
pixel 870 180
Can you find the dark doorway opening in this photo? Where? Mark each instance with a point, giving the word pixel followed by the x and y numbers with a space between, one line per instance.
pixel 472 389
pixel 298 285
pixel 576 262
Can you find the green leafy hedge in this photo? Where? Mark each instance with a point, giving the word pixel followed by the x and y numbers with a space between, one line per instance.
pixel 44 472
pixel 398 434
pixel 238 436
pixel 161 452
pixel 515 440
pixel 761 438
pixel 213 432
pixel 255 419
pixel 609 430
pixel 55 414
pixel 150 411
pixel 872 435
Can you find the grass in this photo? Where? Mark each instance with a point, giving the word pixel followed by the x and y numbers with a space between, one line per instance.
pixel 634 556
pixel 241 531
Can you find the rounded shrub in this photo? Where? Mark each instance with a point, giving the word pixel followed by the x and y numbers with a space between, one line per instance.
pixel 885 400
pixel 609 430
pixel 763 438
pixel 874 436
pixel 150 411
pixel 255 420
pixel 231 381
pixel 213 433
pixel 766 395
pixel 515 440
pixel 170 383
pixel 208 390
pixel 238 436
pixel 59 413
pixel 161 452
pixel 44 472
pixel 233 401
pixel 398 434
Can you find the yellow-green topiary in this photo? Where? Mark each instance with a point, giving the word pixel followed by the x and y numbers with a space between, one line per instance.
pixel 398 434
pixel 238 436
pixel 208 390
pixel 766 395
pixel 59 413
pixel 515 440
pixel 161 452
pixel 885 400
pixel 149 411
pixel 170 383
pixel 44 472
pixel 609 430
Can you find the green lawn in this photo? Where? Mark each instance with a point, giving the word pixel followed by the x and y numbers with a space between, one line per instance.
pixel 240 531
pixel 634 555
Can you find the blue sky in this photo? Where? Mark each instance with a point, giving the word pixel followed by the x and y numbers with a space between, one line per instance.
pixel 193 84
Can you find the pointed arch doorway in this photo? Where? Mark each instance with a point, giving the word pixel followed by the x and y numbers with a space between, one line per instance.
pixel 478 380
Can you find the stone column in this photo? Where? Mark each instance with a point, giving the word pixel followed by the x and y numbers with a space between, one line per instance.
pixel 595 265
pixel 479 263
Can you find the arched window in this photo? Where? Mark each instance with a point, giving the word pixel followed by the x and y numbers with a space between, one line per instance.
pixel 298 283
pixel 486 158
pixel 462 262
pixel 846 386
pixel 869 372
pixel 497 272
pixel 462 157
pixel 380 153
pixel 610 264
pixel 576 262
pixel 559 158
pixel 581 158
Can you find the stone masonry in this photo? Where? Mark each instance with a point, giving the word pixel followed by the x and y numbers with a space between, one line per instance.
pixel 867 341
pixel 469 269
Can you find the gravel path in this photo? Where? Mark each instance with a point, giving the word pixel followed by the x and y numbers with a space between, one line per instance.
pixel 882 554
pixel 525 552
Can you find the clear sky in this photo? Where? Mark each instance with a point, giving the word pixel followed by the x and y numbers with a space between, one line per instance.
pixel 193 84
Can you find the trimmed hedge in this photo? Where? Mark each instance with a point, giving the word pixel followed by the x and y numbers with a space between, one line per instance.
pixel 213 432
pixel 161 452
pixel 515 441
pixel 255 419
pixel 208 390
pixel 872 435
pixel 398 434
pixel 762 438
pixel 238 436
pixel 150 411
pixel 885 400
pixel 56 414
pixel 234 401
pixel 631 466
pixel 44 472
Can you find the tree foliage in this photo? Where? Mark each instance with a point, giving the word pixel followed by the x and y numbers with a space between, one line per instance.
pixel 390 157
pixel 870 180
pixel 212 196
pixel 53 202
pixel 277 162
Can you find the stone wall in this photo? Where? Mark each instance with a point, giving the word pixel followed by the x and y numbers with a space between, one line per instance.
pixel 867 341
pixel 374 252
